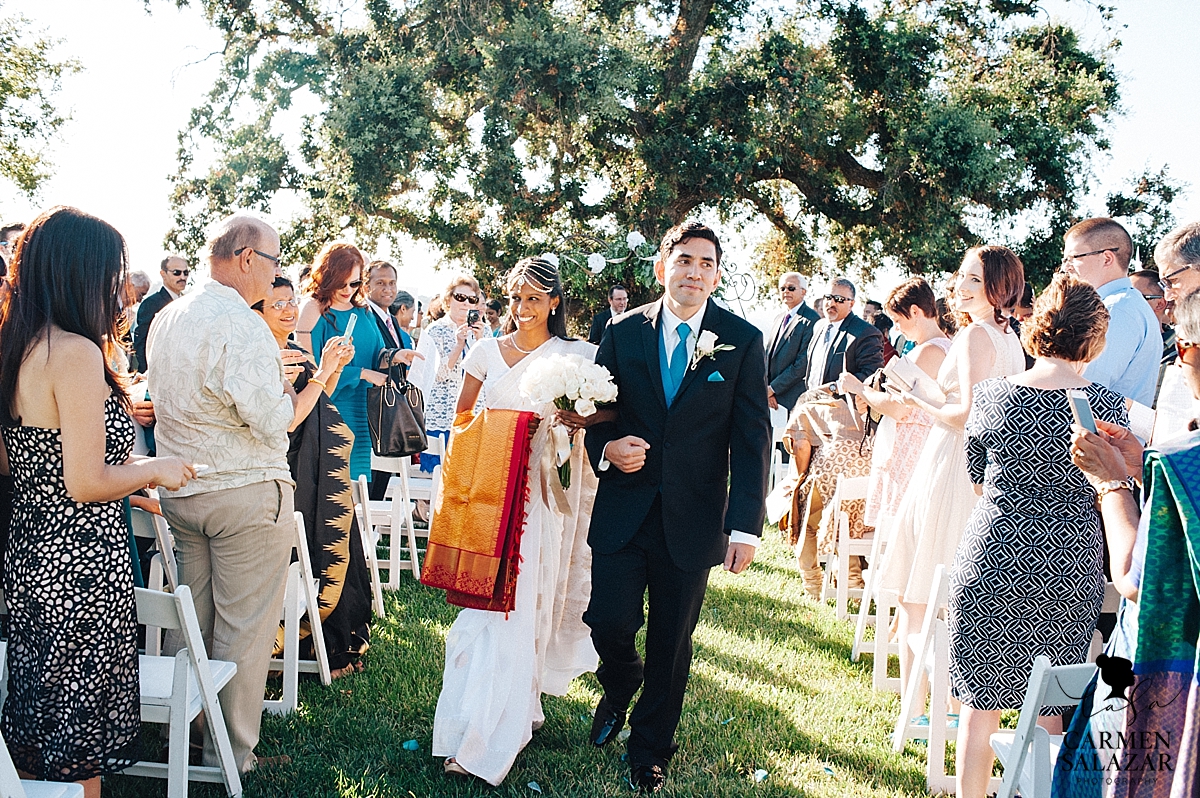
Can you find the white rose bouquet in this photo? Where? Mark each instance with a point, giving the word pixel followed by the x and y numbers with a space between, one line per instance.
pixel 570 382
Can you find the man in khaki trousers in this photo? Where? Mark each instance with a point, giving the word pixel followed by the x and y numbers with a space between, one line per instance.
pixel 222 401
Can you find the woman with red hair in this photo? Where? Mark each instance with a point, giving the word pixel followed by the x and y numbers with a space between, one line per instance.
pixel 335 296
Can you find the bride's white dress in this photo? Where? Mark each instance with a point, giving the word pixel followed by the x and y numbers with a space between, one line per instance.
pixel 497 667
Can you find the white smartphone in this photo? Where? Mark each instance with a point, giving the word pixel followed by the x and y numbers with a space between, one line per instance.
pixel 1081 409
pixel 348 335
pixel 200 468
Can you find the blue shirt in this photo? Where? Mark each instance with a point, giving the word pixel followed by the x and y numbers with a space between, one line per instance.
pixel 1132 347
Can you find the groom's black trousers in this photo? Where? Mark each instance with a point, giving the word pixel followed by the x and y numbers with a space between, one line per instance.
pixel 619 584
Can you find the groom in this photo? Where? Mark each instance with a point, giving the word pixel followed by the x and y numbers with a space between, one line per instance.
pixel 683 476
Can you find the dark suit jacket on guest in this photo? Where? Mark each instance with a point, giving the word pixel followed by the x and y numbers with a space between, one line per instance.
pixel 787 356
pixel 709 452
pixel 149 308
pixel 857 348
pixel 389 340
pixel 599 322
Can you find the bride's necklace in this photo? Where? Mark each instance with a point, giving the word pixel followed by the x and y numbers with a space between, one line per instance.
pixel 512 341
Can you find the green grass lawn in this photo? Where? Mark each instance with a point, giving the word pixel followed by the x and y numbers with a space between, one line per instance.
pixel 772 688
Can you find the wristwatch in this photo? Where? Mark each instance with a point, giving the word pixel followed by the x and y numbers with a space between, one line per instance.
pixel 1112 485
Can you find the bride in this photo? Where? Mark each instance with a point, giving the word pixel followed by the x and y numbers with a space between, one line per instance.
pixel 499 664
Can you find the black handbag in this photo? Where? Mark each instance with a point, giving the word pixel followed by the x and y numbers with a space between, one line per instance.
pixel 396 415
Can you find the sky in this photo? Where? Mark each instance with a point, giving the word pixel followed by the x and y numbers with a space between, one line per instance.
pixel 143 72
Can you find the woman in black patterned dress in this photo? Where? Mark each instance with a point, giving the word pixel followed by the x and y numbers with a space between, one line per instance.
pixel 1028 578
pixel 73 707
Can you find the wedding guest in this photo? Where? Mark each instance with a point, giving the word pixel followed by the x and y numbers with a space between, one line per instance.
pixel 1151 554
pixel 444 345
pixel 841 342
pixel 883 323
pixel 902 429
pixel 140 282
pixel 492 310
pixel 1098 251
pixel 1028 578
pixel 499 664
pixel 318 440
pixel 403 309
pixel 787 351
pixel 228 405
pixel 618 301
pixel 933 513
pixel 174 271
pixel 380 280
pixel 335 296
pixel 8 244
pixel 73 708
pixel 871 309
pixel 1178 259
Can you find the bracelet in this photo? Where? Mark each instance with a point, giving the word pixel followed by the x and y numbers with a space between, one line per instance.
pixel 1114 485
pixel 311 380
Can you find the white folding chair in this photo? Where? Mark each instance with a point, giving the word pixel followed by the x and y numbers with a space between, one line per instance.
pixel 1028 753
pixel 392 525
pixel 13 786
pixel 369 536
pixel 779 419
pixel 177 689
pixel 299 600
pixel 837 566
pixel 884 603
pixel 164 570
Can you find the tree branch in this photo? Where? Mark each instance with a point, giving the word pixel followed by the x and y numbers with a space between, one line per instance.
pixel 684 43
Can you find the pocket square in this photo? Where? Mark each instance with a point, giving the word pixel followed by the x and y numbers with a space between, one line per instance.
pixel 716 377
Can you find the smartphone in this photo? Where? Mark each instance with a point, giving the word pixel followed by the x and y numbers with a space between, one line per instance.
pixel 1081 409
pixel 472 318
pixel 348 335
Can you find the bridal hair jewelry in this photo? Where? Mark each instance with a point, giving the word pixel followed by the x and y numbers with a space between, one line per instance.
pixel 538 273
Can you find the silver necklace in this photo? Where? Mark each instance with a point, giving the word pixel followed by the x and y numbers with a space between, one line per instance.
pixel 512 341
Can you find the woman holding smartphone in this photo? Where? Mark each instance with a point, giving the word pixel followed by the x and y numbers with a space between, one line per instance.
pixel 335 307
pixel 1028 578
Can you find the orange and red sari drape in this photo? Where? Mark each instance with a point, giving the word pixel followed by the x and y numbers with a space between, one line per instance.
pixel 475 535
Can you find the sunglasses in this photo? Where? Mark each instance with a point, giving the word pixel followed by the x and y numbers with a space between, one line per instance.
pixel 1152 297
pixel 178 272
pixel 240 250
pixel 286 303
pixel 841 300
pixel 356 284
pixel 470 300
pixel 788 288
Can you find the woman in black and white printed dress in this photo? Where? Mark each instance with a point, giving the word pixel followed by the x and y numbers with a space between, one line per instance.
pixel 1028 578
pixel 73 708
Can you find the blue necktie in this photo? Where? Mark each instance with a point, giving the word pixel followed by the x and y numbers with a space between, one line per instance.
pixel 679 358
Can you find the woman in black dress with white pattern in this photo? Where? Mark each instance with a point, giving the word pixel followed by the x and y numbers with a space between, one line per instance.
pixel 1028 578
pixel 73 707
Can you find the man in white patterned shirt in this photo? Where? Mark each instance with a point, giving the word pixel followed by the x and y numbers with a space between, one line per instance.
pixel 221 400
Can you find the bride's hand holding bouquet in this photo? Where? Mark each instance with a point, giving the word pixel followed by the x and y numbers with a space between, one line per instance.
pixel 575 386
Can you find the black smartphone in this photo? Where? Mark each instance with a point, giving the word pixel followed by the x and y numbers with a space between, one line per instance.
pixel 472 318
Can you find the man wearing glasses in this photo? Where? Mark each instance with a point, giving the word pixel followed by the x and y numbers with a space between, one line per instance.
pixel 1178 259
pixel 787 344
pixel 842 341
pixel 174 271
pixel 1098 251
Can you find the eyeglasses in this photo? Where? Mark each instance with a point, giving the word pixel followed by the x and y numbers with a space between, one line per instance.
pixel 470 300
pixel 178 272
pixel 1166 283
pixel 788 288
pixel 271 258
pixel 1068 258
pixel 286 303
pixel 1152 297
pixel 841 300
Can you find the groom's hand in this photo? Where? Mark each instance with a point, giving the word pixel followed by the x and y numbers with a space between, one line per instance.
pixel 738 557
pixel 628 454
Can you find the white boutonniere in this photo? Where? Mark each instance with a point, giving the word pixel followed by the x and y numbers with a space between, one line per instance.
pixel 707 346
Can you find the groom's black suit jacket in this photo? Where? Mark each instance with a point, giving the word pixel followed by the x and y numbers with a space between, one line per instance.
pixel 709 453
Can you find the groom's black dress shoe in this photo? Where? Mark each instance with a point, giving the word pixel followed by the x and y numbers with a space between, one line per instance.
pixel 606 723
pixel 648 778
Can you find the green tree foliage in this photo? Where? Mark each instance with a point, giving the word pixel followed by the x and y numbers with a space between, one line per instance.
pixel 903 129
pixel 1145 209
pixel 30 76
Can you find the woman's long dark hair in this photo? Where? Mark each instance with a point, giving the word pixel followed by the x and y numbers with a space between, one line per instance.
pixel 543 276
pixel 69 270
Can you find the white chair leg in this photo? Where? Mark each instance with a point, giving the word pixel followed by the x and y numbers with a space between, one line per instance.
pixel 178 741
pixel 885 602
pixel 843 573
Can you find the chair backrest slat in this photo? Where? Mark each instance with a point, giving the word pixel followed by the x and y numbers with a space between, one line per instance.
pixel 156 609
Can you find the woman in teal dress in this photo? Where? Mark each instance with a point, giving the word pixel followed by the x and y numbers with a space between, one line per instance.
pixel 335 296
